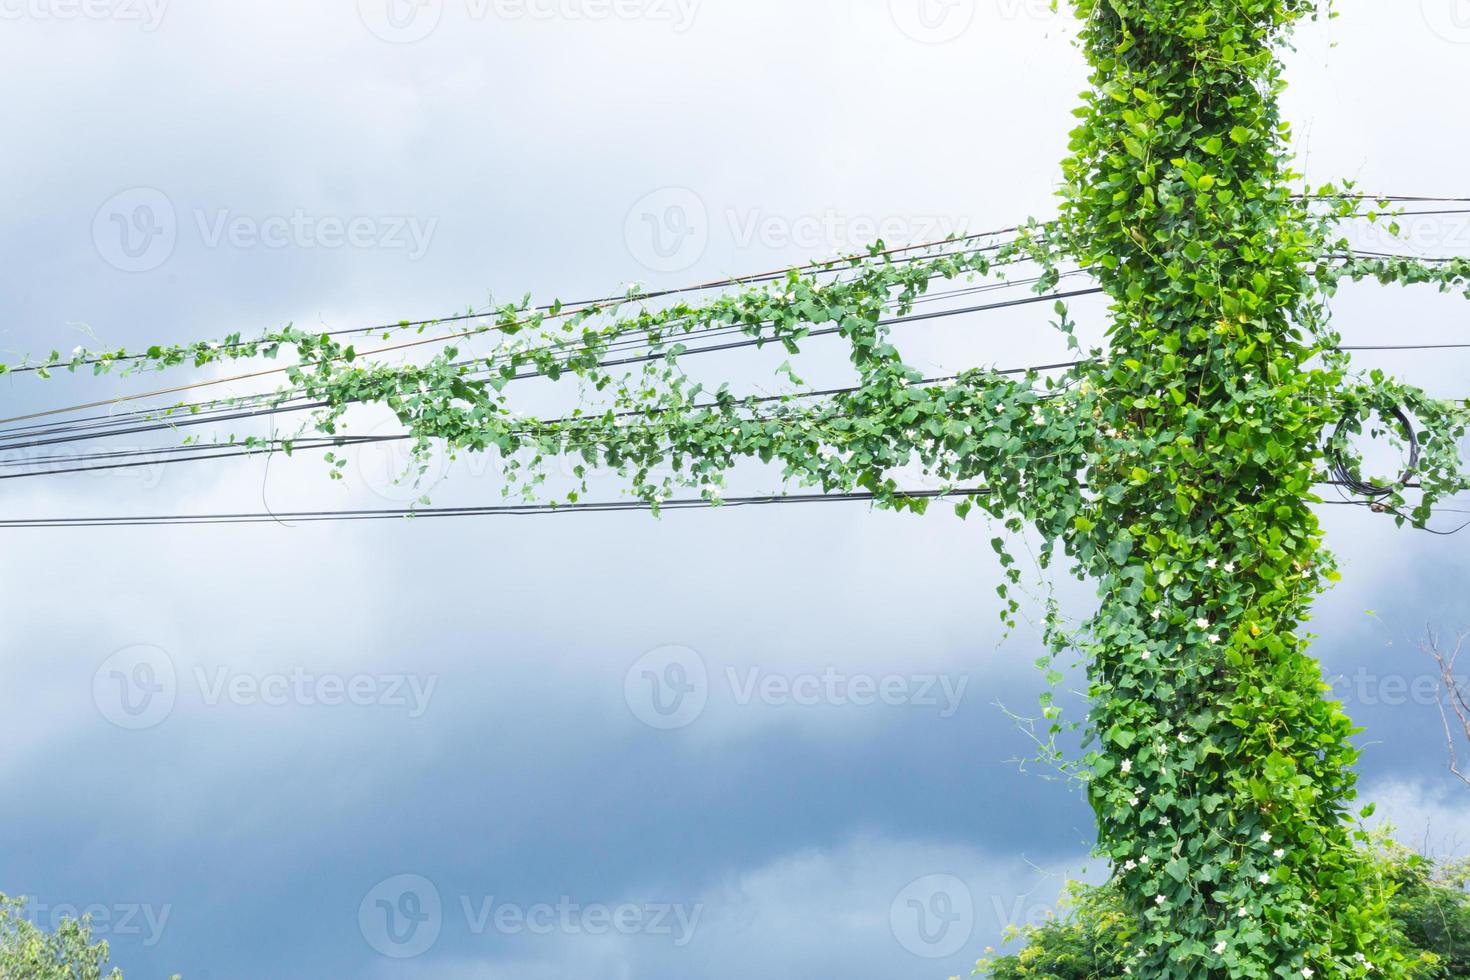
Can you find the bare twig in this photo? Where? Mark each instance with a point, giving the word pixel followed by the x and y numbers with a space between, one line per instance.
pixel 1454 703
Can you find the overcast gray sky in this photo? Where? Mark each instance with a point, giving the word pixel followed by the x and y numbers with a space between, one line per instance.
pixel 838 796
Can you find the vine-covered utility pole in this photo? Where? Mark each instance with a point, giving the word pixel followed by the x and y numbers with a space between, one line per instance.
pixel 1222 778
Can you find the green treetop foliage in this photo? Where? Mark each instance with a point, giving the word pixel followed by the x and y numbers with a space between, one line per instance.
pixel 28 953
pixel 1177 468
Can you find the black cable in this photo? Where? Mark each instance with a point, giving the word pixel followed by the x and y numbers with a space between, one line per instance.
pixel 513 510
pixel 1381 508
pixel 1347 476
pixel 308 517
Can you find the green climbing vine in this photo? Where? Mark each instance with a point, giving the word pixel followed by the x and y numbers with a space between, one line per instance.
pixel 1177 469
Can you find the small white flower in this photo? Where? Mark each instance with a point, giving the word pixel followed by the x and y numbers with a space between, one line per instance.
pixel 1212 563
pixel 1214 637
pixel 1158 900
pixel 1220 948
pixel 1307 972
pixel 1266 837
pixel 1279 853
pixel 1130 865
pixel 77 350
pixel 1158 614
pixel 1133 801
pixel 1264 879
pixel 1127 765
pixel 1202 623
pixel 1143 859
pixel 1230 568
pixel 1242 914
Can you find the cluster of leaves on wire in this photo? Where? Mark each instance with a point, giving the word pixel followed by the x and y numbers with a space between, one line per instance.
pixel 654 418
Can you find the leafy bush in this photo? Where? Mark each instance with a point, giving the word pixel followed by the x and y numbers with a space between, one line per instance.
pixel 1090 938
pixel 28 953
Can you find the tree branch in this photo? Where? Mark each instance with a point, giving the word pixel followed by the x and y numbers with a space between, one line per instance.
pixel 1455 702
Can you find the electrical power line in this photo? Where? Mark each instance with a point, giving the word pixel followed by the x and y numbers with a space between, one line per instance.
pixel 511 510
pixel 507 510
